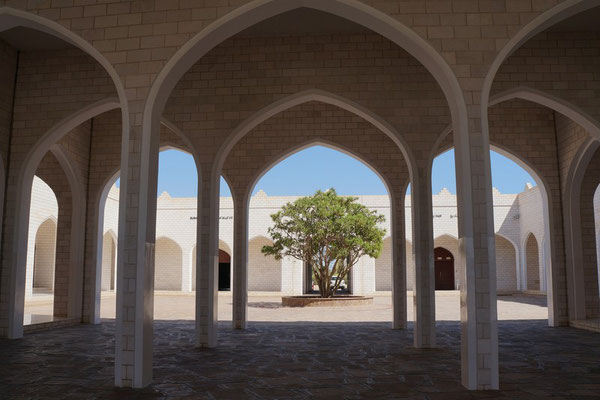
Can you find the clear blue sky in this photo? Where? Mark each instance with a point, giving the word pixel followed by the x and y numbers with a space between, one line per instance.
pixel 321 168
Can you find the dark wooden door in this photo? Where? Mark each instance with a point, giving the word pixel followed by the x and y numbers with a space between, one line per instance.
pixel 444 269
pixel 224 271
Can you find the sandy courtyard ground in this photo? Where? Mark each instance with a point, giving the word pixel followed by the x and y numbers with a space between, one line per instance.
pixel 267 307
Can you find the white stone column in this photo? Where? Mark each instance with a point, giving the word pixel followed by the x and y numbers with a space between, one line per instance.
pixel 288 277
pixel 137 237
pixel 479 326
pixel 424 285
pixel 240 264
pixel 30 260
pixel 207 260
pixel 398 262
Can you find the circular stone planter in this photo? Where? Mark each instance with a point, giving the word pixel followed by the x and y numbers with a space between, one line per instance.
pixel 315 301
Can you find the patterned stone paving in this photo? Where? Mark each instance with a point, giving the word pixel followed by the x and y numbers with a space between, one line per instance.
pixel 300 361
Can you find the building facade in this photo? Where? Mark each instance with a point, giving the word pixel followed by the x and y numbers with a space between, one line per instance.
pixel 518 224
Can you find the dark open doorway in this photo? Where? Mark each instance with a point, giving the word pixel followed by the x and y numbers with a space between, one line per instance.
pixel 444 269
pixel 224 271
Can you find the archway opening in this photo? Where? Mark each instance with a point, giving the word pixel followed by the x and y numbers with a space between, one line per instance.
pixel 532 263
pixel 519 210
pixel 299 173
pixel 109 262
pixel 224 282
pixel 444 269
pixel 224 272
pixel 176 231
pixel 47 265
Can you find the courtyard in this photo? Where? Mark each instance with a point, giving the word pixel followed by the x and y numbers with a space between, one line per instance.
pixel 301 353
pixel 266 307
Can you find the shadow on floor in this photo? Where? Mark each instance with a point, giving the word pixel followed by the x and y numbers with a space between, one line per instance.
pixel 301 360
pixel 536 300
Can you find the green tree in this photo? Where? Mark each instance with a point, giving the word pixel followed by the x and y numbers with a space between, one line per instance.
pixel 328 232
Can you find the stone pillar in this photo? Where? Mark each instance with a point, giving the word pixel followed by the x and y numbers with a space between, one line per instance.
pixel 135 270
pixel 63 255
pixel 207 260
pixel 424 285
pixel 588 267
pixel 240 264
pixel 30 260
pixel 479 326
pixel 186 270
pixel 398 262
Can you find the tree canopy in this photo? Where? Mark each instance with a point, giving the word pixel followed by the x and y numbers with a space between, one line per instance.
pixel 328 232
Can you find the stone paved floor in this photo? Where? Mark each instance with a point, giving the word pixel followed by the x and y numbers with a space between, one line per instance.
pixel 278 358
pixel 301 361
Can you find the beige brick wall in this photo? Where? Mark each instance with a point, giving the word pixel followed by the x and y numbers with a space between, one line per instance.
pixel 8 67
pixel 243 75
pixel 589 266
pixel 383 267
pixel 532 260
pixel 264 272
pixel 562 64
pixel 506 267
pixel 167 265
pixel 44 206
pixel 109 248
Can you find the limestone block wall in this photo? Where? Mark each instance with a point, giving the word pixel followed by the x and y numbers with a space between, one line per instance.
pixel 571 58
pixel 589 267
pixel 292 276
pixel 8 68
pixel 168 261
pixel 363 277
pixel 529 201
pixel 264 272
pixel 383 268
pixel 176 222
pixel 109 247
pixel 45 256
pixel 506 265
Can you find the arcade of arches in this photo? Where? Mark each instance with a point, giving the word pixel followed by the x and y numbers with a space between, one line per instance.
pixel 93 88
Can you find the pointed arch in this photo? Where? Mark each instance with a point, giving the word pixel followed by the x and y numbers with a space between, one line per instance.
pixel 264 272
pixel 101 208
pixel 44 257
pixel 260 10
pixel 109 260
pixel 308 144
pixel 304 97
pixel 558 13
pixel 532 265
pixel 507 264
pixel 569 110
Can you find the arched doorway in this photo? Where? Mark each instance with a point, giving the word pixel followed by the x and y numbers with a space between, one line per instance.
pixel 44 256
pixel 444 269
pixel 109 257
pixel 224 271
pixel 532 263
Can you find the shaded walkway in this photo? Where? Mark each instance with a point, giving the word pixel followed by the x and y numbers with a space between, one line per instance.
pixel 302 360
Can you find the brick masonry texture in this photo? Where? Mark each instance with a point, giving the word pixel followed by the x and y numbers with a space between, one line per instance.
pixel 245 73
